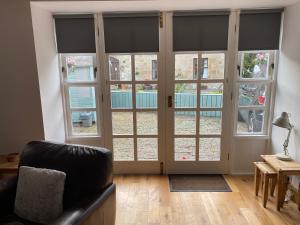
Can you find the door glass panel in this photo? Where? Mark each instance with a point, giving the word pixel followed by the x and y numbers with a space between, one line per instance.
pixel 121 96
pixel 84 123
pixel 123 149
pixel 185 122
pixel 252 94
pixel 185 95
pixel 250 121
pixel 255 65
pixel 146 123
pixel 212 66
pixel 146 96
pixel 122 123
pixel 186 66
pixel 82 97
pixel 147 148
pixel 146 67
pixel 210 122
pixel 185 149
pixel 80 68
pixel 209 149
pixel 120 67
pixel 211 95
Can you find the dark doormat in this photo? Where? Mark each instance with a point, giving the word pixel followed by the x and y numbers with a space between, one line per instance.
pixel 198 183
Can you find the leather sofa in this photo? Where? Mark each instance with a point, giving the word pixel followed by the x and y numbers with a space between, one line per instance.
pixel 89 195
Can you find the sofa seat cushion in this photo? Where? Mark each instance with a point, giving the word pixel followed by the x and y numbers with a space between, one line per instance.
pixel 13 219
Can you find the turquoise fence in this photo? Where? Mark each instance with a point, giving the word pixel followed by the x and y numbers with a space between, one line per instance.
pixel 148 100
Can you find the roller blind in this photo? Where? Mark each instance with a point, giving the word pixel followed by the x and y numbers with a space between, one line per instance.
pixel 200 31
pixel 75 33
pixel 131 32
pixel 259 29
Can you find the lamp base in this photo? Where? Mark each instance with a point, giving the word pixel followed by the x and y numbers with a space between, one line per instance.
pixel 283 157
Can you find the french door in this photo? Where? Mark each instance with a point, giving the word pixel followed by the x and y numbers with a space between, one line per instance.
pixel 195 108
pixel 164 110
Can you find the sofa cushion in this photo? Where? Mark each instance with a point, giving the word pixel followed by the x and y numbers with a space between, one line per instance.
pixel 39 196
pixel 88 169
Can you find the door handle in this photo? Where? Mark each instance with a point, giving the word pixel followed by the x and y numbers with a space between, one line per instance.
pixel 170 101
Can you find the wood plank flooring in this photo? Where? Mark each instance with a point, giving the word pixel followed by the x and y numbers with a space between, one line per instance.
pixel 146 200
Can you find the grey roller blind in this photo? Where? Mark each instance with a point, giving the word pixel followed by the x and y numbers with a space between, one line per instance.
pixel 259 29
pixel 202 31
pixel 75 33
pixel 131 32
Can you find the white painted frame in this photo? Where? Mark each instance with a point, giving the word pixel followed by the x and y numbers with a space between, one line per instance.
pixel 143 166
pixel 269 82
pixel 66 100
pixel 221 166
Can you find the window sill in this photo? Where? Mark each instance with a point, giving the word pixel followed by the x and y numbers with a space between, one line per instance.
pixel 72 138
pixel 252 136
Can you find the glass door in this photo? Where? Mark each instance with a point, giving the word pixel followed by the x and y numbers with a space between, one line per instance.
pixel 195 107
pixel 134 94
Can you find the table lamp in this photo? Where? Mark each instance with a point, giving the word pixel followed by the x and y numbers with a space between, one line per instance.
pixel 284 122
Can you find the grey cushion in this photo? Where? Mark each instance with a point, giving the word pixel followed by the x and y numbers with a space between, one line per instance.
pixel 39 196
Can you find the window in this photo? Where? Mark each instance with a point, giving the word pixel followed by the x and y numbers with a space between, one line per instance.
pixel 80 84
pixel 254 88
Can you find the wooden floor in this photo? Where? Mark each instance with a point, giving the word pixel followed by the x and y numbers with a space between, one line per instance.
pixel 147 200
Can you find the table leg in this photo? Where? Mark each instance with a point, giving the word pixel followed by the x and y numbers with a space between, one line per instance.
pixel 284 189
pixel 256 180
pixel 279 190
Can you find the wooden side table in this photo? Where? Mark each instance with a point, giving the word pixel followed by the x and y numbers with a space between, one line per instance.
pixel 9 168
pixel 283 169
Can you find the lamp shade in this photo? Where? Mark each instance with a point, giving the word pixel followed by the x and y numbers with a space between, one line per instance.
pixel 283 121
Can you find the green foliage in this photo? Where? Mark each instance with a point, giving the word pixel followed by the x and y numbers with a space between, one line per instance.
pixel 250 60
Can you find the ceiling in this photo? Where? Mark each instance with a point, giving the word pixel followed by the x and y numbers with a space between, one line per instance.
pixel 162 5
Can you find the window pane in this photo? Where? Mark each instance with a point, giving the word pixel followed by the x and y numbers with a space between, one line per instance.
pixel 186 66
pixel 123 149
pixel 185 122
pixel 211 95
pixel 82 97
pixel 252 94
pixel 209 149
pixel 120 67
pixel 146 123
pixel 146 96
pixel 147 149
pixel 122 123
pixel 185 95
pixel 254 65
pixel 145 67
pixel 185 149
pixel 84 123
pixel 210 122
pixel 212 66
pixel 121 96
pixel 250 121
pixel 80 68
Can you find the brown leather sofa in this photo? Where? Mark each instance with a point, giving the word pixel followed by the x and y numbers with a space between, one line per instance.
pixel 89 195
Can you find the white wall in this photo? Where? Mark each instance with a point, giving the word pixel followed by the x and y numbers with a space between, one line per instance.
pixel 244 152
pixel 48 74
pixel 20 104
pixel 288 85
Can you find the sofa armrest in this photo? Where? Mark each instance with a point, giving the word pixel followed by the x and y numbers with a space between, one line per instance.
pixel 8 187
pixel 78 214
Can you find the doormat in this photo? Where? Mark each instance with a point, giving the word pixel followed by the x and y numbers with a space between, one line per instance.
pixel 198 183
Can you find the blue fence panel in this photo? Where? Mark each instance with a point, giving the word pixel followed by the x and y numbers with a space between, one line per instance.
pixel 146 100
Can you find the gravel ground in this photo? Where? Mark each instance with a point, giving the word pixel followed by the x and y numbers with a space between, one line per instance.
pixel 209 148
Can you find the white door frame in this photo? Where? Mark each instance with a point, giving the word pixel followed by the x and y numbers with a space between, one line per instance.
pixel 226 135
pixel 123 167
pixel 166 65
